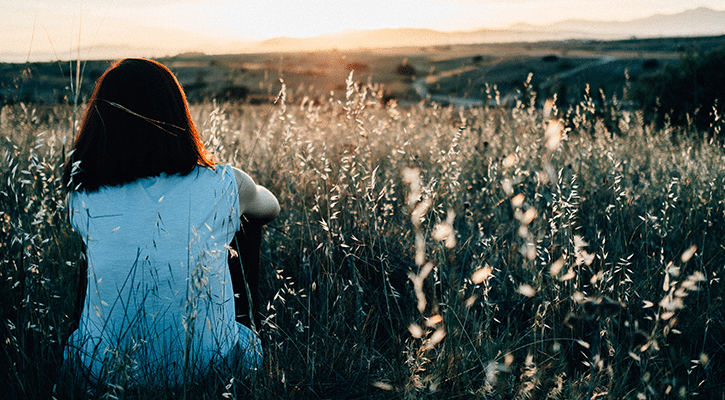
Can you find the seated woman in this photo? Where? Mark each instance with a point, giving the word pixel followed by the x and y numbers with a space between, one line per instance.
pixel 156 216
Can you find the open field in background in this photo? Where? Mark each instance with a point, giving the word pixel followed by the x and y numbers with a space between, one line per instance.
pixel 460 71
pixel 422 251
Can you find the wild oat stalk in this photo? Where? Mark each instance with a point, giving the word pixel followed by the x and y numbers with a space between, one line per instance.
pixel 425 251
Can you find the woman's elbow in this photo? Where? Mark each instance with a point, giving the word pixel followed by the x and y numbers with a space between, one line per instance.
pixel 274 208
pixel 267 208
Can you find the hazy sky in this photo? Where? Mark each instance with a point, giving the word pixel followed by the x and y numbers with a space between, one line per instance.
pixel 38 27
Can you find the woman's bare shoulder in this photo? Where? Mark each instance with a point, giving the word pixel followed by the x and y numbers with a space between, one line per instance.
pixel 255 201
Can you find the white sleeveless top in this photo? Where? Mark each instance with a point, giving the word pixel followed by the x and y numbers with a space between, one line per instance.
pixel 159 294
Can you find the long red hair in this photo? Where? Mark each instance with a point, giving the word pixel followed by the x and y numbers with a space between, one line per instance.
pixel 137 125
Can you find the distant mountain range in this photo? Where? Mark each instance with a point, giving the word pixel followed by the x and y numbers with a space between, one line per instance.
pixel 696 22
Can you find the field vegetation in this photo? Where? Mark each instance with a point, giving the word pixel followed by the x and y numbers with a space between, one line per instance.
pixel 423 251
pixel 563 68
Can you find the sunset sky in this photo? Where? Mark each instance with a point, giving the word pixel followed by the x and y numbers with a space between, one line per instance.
pixel 40 29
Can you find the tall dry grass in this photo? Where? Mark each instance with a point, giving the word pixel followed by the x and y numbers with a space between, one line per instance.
pixel 425 251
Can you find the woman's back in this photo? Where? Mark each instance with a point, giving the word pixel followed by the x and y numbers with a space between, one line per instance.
pixel 159 297
pixel 155 217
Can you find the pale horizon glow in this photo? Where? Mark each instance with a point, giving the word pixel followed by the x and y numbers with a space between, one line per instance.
pixel 50 28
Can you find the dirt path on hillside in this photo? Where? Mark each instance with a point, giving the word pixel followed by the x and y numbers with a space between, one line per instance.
pixel 420 85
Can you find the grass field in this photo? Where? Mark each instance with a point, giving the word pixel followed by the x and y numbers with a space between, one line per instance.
pixel 423 251
pixel 462 71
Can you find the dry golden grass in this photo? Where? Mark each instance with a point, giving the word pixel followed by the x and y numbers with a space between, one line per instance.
pixel 424 252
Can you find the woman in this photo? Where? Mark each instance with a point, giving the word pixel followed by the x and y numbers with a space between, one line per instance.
pixel 156 216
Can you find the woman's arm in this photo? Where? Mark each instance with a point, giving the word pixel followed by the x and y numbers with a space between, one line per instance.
pixel 255 202
pixel 258 206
